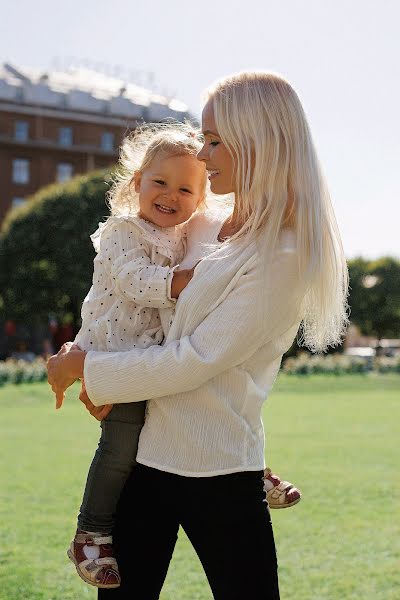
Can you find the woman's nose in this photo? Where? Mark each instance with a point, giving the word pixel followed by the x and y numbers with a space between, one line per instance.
pixel 202 155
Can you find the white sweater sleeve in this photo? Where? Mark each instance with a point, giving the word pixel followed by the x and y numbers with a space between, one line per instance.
pixel 227 337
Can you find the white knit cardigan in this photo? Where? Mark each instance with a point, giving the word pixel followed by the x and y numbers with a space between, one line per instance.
pixel 208 382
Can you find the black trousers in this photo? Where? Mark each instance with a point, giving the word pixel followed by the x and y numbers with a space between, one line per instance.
pixel 226 519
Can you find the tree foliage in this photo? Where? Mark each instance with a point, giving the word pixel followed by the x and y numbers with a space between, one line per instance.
pixel 375 296
pixel 46 255
pixel 46 261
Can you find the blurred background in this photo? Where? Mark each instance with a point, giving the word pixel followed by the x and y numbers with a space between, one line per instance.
pixel 76 77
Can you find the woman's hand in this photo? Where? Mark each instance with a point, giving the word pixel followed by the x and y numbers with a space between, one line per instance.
pixel 98 412
pixel 64 368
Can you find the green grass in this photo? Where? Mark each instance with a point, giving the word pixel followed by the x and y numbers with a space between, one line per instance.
pixel 336 438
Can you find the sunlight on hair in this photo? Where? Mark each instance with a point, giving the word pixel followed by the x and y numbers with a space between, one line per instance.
pixel 280 185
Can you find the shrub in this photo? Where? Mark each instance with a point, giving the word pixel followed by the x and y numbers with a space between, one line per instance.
pixel 20 371
pixel 338 364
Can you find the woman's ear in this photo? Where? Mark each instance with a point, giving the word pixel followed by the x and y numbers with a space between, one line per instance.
pixel 137 178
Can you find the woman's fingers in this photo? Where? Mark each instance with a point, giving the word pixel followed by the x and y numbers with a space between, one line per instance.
pixel 59 398
pixel 98 412
pixel 63 369
pixel 103 411
pixel 57 379
pixel 84 398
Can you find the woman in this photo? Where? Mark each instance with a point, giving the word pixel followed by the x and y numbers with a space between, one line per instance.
pixel 273 264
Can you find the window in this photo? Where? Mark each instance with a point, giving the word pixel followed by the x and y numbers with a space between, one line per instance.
pixel 65 136
pixel 21 131
pixel 107 141
pixel 17 202
pixel 20 170
pixel 64 172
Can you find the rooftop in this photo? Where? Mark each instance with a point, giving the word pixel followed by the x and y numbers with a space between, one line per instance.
pixel 85 90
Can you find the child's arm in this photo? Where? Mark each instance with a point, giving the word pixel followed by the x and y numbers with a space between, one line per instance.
pixel 126 257
pixel 180 280
pixel 142 282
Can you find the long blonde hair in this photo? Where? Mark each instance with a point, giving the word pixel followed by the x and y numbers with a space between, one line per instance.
pixel 279 183
pixel 137 152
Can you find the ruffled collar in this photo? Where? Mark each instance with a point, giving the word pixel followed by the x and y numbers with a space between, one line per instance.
pixel 167 237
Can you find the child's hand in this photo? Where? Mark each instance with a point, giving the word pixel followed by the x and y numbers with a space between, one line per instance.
pixel 180 280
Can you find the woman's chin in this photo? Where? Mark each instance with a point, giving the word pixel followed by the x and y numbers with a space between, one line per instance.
pixel 219 188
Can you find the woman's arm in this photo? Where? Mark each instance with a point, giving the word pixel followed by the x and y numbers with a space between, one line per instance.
pixel 227 337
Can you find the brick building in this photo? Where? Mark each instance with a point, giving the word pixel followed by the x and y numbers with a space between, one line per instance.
pixel 54 125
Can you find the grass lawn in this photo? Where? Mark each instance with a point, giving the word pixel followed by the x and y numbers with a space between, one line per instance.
pixel 337 438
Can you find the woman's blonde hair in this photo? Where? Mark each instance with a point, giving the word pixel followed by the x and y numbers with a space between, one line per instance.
pixel 139 150
pixel 279 183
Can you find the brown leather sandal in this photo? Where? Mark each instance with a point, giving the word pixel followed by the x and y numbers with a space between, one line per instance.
pixel 93 557
pixel 279 494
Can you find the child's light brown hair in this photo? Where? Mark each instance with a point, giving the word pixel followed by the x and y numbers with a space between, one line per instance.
pixel 138 151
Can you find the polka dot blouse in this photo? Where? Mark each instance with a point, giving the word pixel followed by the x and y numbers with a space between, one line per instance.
pixel 129 304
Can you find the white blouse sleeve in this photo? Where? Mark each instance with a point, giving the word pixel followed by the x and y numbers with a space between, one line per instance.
pixel 126 257
pixel 226 338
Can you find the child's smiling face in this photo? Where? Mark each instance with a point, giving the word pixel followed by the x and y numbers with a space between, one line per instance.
pixel 170 189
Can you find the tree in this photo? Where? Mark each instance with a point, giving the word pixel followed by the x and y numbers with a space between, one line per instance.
pixel 375 296
pixel 46 255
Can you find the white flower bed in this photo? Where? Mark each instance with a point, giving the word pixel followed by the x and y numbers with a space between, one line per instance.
pixel 21 371
pixel 338 364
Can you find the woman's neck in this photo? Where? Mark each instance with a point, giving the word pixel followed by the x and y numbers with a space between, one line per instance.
pixel 230 227
pixel 233 223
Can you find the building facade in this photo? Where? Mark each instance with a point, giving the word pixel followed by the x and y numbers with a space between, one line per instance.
pixel 54 125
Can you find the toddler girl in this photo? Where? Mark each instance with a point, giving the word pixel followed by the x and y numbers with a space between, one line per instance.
pixel 130 304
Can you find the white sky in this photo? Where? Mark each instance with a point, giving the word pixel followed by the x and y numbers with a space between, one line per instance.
pixel 343 58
